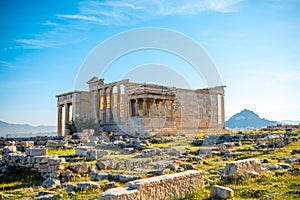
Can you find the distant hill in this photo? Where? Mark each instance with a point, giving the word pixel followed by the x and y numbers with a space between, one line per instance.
pixel 25 130
pixel 290 122
pixel 248 119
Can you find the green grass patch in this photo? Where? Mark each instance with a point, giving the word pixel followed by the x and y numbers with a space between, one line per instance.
pixel 62 152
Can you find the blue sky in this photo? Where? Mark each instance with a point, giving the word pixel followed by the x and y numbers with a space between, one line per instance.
pixel 254 45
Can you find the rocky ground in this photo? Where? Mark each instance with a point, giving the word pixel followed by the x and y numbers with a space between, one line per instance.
pixel 84 168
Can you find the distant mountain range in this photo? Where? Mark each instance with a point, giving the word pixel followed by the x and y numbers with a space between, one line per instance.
pixel 247 119
pixel 25 130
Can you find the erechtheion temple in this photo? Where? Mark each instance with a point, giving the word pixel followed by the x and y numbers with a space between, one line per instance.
pixel 137 108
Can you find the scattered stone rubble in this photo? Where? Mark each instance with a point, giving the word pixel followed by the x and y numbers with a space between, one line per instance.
pixel 263 140
pixel 156 161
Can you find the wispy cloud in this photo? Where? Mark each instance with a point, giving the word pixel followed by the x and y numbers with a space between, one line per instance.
pixel 5 64
pixel 113 12
pixel 81 17
pixel 50 23
pixel 44 43
pixel 116 13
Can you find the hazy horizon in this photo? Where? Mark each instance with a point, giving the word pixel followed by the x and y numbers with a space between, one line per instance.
pixel 254 45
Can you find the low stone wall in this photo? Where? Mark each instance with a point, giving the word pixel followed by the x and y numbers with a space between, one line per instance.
pixel 90 152
pixel 122 164
pixel 281 139
pixel 35 159
pixel 159 187
pixel 57 144
pixel 39 140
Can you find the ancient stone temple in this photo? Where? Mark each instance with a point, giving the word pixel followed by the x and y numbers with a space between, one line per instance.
pixel 140 108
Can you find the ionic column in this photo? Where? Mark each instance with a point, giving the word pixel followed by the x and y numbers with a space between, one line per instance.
pixel 222 112
pixel 172 109
pixel 144 107
pixel 118 102
pixel 104 104
pixel 163 108
pixel 100 104
pixel 67 114
pixel 96 104
pixel 131 104
pixel 59 120
pixel 111 104
pixel 154 108
pixel 167 110
pixel 136 107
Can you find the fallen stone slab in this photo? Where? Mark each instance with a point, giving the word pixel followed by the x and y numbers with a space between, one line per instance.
pixel 82 150
pixel 56 161
pixel 98 176
pixel 123 178
pixel 43 159
pixel 70 191
pixel 169 186
pixel 9 149
pixel 80 168
pixel 278 166
pixel 50 197
pixel 104 164
pixel 56 143
pixel 91 155
pixel 207 150
pixel 250 174
pixel 27 144
pixel 220 192
pixel 88 185
pixel 236 168
pixel 110 184
pixel 36 151
pixel 50 183
pixel 120 193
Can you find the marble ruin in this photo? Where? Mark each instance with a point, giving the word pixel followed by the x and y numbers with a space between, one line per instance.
pixel 135 108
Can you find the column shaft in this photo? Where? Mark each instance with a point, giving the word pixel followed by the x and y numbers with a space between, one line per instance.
pixel 67 114
pixel 154 108
pixel 144 107
pixel 222 112
pixel 111 107
pixel 59 121
pixel 172 109
pixel 104 104
pixel 118 102
pixel 136 107
pixel 163 108
pixel 96 104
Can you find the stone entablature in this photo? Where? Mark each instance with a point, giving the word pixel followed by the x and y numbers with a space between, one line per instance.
pixel 124 106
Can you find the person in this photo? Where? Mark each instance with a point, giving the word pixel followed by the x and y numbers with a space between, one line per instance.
pixel 111 136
